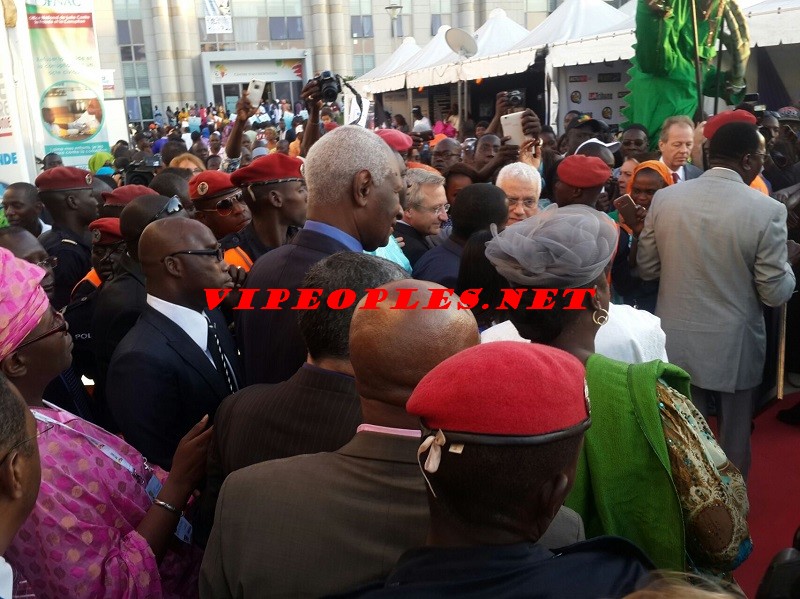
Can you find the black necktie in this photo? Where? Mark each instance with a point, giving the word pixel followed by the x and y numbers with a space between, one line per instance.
pixel 221 364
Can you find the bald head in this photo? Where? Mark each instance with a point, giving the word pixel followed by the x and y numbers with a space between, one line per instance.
pixel 391 350
pixel 167 236
pixel 138 214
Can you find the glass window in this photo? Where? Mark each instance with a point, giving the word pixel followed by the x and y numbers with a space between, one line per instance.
pixel 436 22
pixel 134 112
pixel 142 76
pixel 277 28
pixel 137 33
pixel 535 5
pixel 139 53
pixel 294 27
pixel 275 8
pixel 262 29
pixel 123 33
pixel 293 8
pixel 361 26
pixel 129 76
pixel 147 108
pixel 126 52
pixel 245 29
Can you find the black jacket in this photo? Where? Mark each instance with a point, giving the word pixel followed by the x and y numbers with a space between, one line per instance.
pixel 415 243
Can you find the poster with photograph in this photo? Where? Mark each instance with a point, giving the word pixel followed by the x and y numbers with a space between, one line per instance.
pixel 597 89
pixel 68 78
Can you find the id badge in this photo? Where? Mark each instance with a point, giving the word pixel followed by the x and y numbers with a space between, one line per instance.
pixel 153 487
pixel 184 531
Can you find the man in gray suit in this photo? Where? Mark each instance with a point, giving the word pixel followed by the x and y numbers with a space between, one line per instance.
pixel 720 250
pixel 675 144
pixel 315 525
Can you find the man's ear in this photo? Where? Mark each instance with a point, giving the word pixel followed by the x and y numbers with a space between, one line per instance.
pixel 14 366
pixel 362 188
pixel 173 266
pixel 72 201
pixel 275 199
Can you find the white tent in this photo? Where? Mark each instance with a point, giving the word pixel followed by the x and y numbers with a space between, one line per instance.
pixel 497 34
pixel 573 19
pixel 774 22
pixel 404 52
pixel 434 51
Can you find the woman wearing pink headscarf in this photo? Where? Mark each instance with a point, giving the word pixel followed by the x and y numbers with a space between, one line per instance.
pixel 95 530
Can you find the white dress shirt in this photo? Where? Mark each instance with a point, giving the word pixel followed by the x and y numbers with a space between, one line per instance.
pixel 681 172
pixel 6 579
pixel 190 322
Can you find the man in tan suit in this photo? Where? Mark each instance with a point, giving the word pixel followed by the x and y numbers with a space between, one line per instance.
pixel 320 524
pixel 720 250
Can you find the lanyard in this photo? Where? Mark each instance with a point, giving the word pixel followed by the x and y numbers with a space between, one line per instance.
pixel 110 452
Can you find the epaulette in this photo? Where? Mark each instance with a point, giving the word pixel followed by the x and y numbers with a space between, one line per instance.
pixel 69 241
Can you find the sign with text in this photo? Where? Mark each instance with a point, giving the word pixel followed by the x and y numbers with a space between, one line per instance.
pixel 68 79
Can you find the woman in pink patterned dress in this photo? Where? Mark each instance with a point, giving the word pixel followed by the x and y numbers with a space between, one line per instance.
pixel 95 531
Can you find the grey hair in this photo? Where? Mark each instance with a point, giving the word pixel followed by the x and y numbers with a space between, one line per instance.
pixel 521 172
pixel 338 156
pixel 12 417
pixel 674 120
pixel 325 330
pixel 416 178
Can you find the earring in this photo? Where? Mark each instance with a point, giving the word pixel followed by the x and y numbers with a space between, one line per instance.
pixel 600 316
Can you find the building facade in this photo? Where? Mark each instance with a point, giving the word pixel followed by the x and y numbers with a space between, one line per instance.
pixel 166 53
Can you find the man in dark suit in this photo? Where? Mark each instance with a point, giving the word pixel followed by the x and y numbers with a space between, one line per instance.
pixel 317 409
pixel 315 525
pixel 675 144
pixel 179 361
pixel 424 212
pixel 122 298
pixel 354 182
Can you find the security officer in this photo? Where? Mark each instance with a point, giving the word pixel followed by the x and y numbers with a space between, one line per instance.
pixel 67 193
pixel 108 247
pixel 218 203
pixel 275 191
pixel 497 472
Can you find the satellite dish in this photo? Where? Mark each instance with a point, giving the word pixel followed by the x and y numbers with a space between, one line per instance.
pixel 461 42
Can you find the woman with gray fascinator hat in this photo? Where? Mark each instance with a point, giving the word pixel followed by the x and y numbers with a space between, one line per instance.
pixel 650 469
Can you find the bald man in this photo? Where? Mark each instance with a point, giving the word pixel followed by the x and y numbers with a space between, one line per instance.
pixel 321 524
pixel 178 362
pixel 121 299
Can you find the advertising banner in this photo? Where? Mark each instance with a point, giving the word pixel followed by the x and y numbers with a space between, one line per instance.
pixel 13 165
pixel 67 69
pixel 598 90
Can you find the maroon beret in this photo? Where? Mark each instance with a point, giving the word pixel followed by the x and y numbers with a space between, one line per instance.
pixel 105 231
pixel 272 168
pixel 62 178
pixel 583 172
pixel 210 184
pixel 723 118
pixel 397 140
pixel 536 390
pixel 122 196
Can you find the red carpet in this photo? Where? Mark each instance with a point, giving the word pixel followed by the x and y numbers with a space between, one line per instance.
pixel 774 492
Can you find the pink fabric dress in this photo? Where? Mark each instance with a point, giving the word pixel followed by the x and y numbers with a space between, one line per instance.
pixel 81 540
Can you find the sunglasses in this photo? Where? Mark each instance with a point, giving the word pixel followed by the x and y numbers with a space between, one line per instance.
pixel 173 206
pixel 224 207
pixel 216 252
pixel 61 327
pixel 24 441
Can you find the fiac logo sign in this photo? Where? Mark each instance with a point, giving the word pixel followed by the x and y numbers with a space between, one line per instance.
pixel 59 3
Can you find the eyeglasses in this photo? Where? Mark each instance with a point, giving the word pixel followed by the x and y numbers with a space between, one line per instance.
pixel 443 209
pixel 511 202
pixel 61 327
pixel 24 441
pixel 50 262
pixel 225 206
pixel 217 252
pixel 172 207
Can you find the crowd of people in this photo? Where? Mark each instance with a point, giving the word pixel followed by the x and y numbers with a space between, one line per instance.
pixel 188 406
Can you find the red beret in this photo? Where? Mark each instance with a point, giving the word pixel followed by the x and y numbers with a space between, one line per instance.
pixel 105 231
pixel 583 172
pixel 62 178
pixel 535 390
pixel 210 184
pixel 723 118
pixel 272 168
pixel 122 196
pixel 397 140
